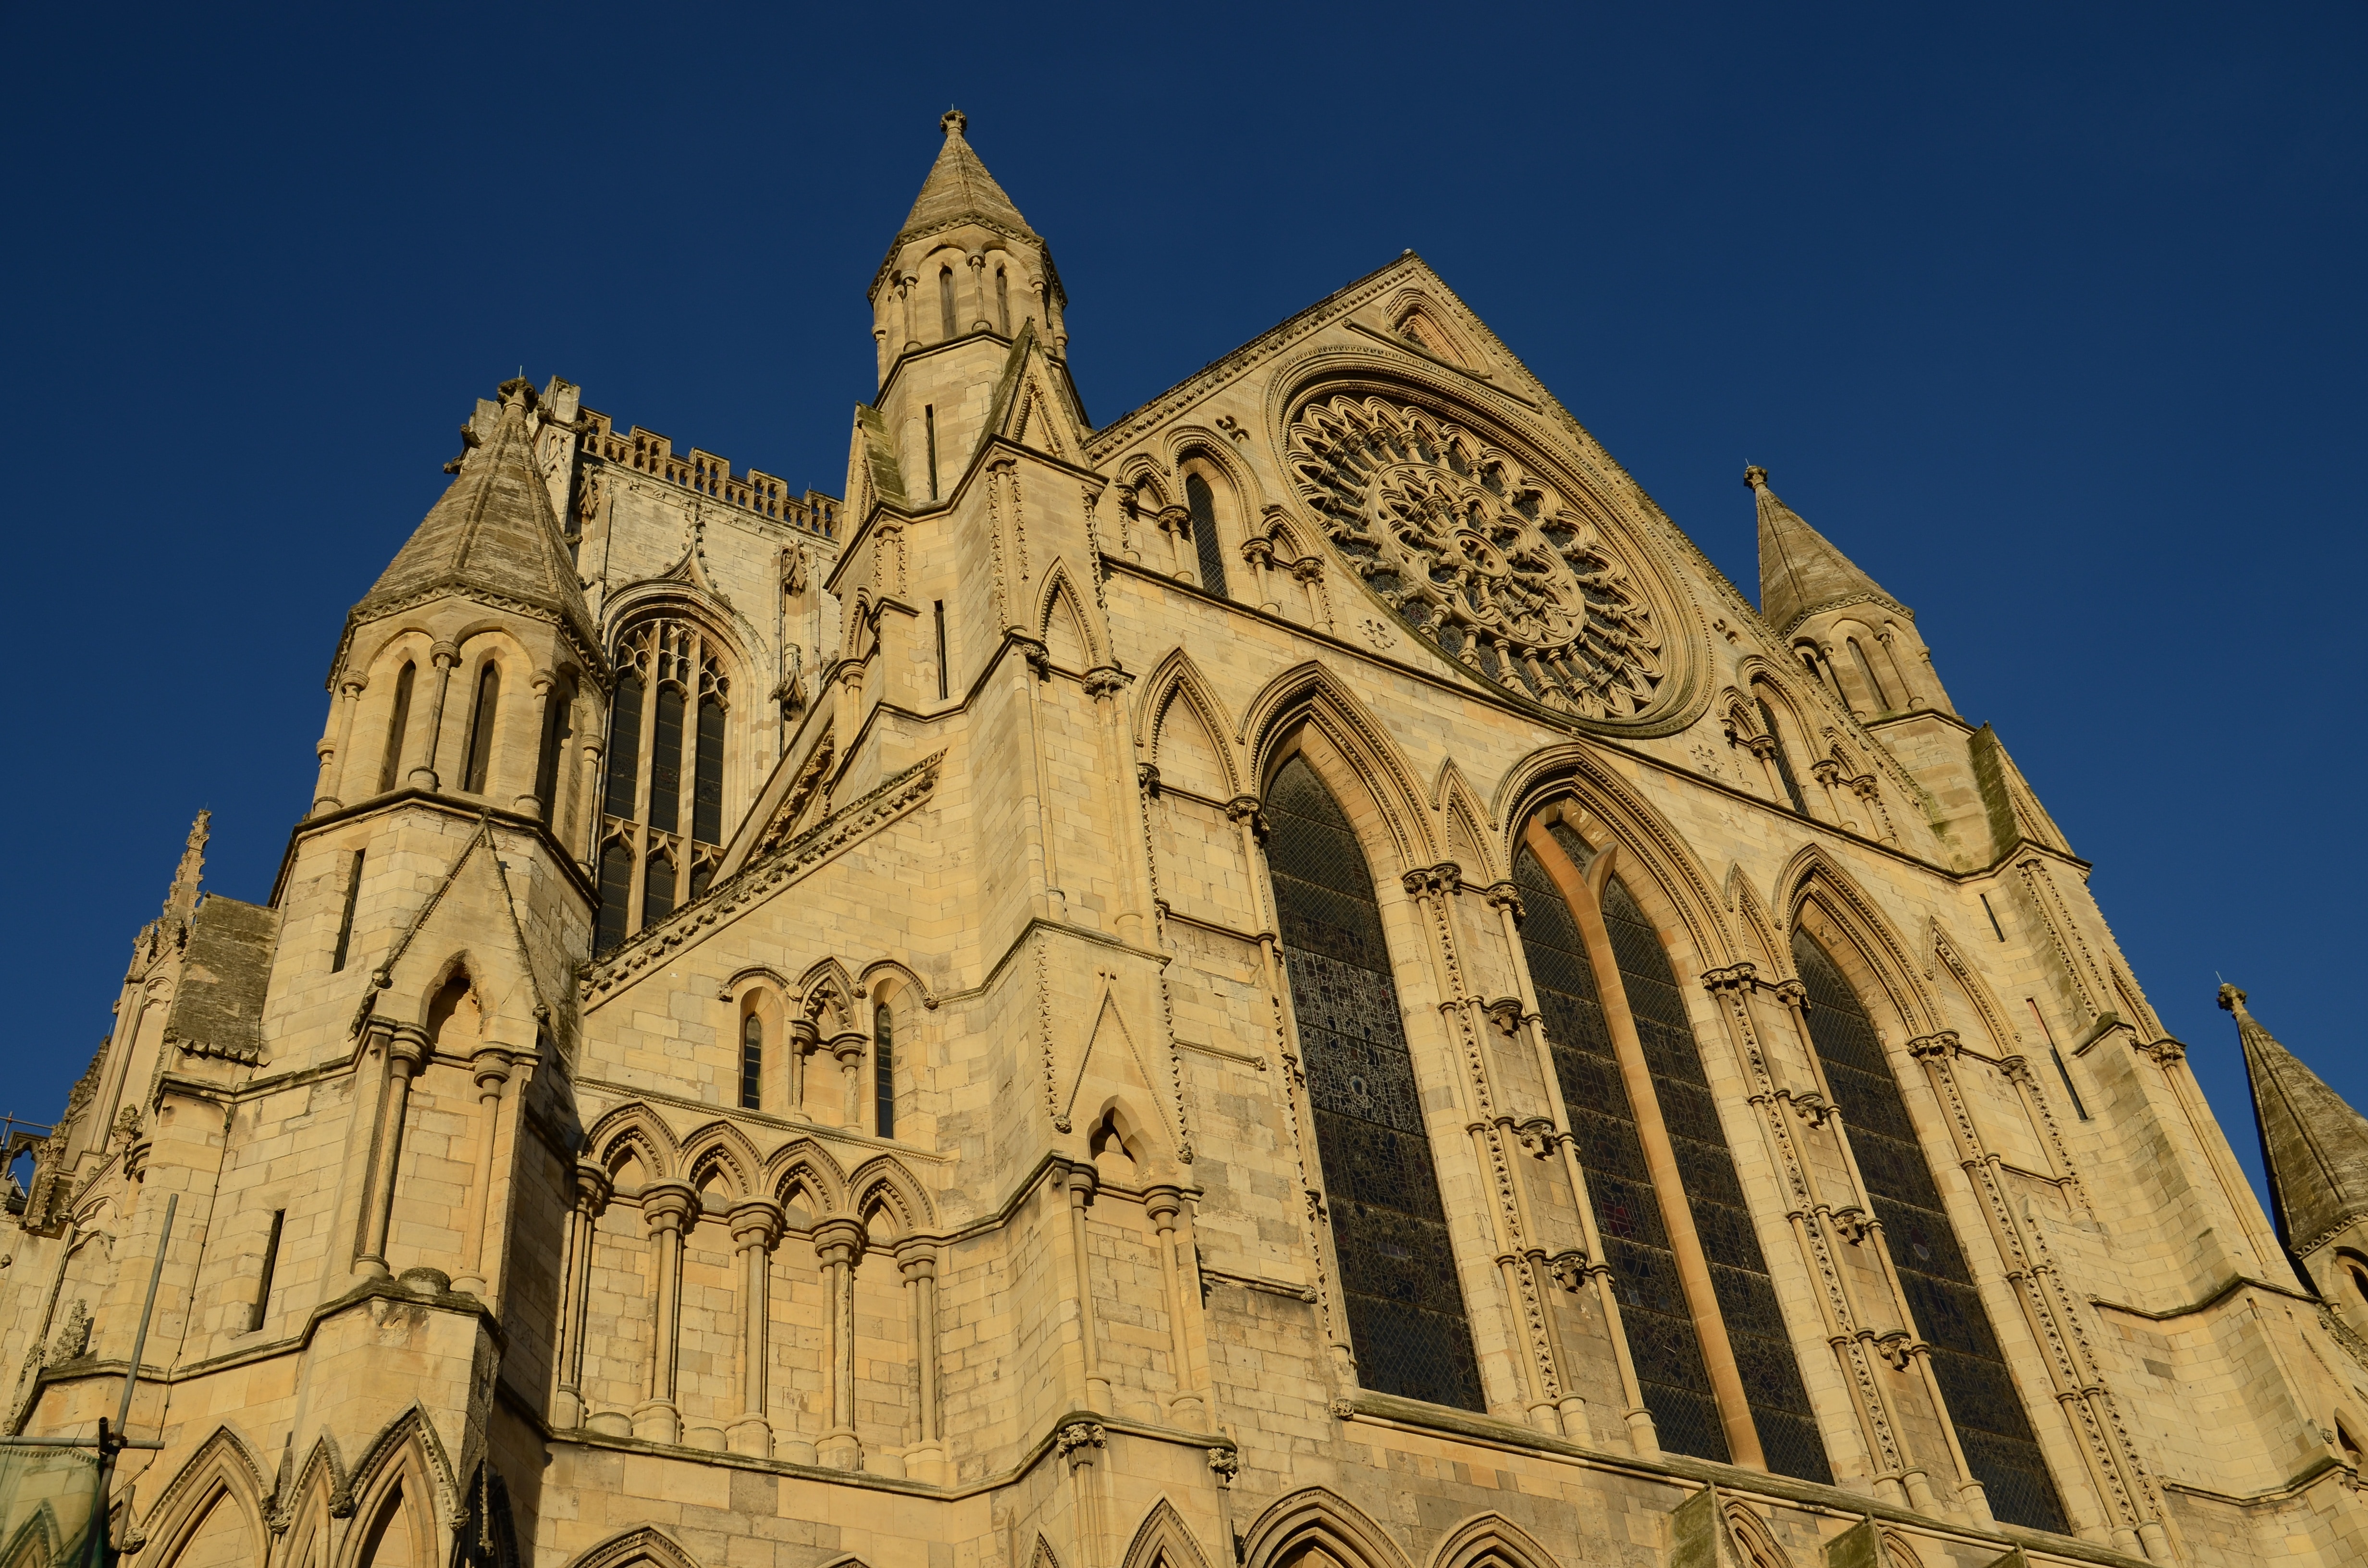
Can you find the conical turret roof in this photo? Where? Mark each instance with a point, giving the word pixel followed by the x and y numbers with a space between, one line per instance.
pixel 492 536
pixel 2313 1144
pixel 1801 573
pixel 958 189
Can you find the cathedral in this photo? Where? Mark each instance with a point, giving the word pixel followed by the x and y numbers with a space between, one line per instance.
pixel 1294 980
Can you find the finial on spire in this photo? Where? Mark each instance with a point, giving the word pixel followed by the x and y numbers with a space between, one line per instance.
pixel 518 391
pixel 953 121
pixel 2231 999
pixel 1755 477
pixel 181 898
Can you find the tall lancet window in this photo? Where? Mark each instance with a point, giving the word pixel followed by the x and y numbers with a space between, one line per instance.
pixel 668 728
pixel 389 772
pixel 482 722
pixel 1398 1279
pixel 883 1070
pixel 1992 1425
pixel 1881 697
pixel 946 299
pixel 1202 503
pixel 1783 762
pixel 752 1062
pixel 1003 301
pixel 1656 1238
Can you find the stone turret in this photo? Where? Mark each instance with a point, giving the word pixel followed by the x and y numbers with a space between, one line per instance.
pixel 1858 640
pixel 966 286
pixel 2315 1152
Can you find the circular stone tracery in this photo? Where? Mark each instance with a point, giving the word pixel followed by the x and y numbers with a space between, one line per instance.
pixel 1478 555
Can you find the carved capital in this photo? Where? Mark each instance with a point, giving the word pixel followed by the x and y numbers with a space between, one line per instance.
pixel 492 1070
pixel 1569 1269
pixel 444 654
pixel 1444 878
pixel 1506 895
pixel 1826 771
pixel 594 1188
pixel 2017 1070
pixel 1245 809
pixel 1852 1224
pixel 838 1240
pixel 1175 520
pixel 1897 1347
pixel 805 1036
pixel 1147 775
pixel 1224 1464
pixel 1162 1204
pixel 2164 1053
pixel 1813 1108
pixel 407 1049
pixel 756 1222
pixel 1079 1440
pixel 918 1259
pixel 1734 977
pixel 1941 1045
pixel 1761 747
pixel 668 1206
pixel 1107 680
pixel 847 1048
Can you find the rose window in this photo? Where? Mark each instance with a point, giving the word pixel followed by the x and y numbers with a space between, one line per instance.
pixel 1479 556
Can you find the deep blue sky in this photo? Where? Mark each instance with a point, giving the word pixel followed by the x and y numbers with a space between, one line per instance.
pixel 2052 316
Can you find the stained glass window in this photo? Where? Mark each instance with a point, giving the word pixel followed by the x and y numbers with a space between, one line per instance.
pixel 1739 1272
pixel 752 1062
pixel 1661 1339
pixel 1992 1425
pixel 884 1072
pixel 1203 505
pixel 1398 1279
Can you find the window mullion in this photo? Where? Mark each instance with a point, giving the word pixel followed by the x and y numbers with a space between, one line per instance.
pixel 1668 1187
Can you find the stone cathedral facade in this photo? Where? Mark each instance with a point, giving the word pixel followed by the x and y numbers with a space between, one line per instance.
pixel 1290 980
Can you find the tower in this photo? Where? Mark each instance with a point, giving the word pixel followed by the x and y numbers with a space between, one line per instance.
pixel 2315 1152
pixel 1858 641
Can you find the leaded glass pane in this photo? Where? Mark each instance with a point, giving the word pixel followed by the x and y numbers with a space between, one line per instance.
pixel 1739 1272
pixel 1992 1425
pixel 1661 1340
pixel 1398 1281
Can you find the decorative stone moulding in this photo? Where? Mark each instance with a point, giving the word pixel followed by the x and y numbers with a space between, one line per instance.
pixel 1492 563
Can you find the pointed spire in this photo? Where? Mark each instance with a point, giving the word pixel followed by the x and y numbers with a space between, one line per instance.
pixel 2314 1146
pixel 1801 573
pixel 181 898
pixel 959 190
pixel 492 536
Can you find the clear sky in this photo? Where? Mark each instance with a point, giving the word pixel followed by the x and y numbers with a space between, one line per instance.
pixel 2052 316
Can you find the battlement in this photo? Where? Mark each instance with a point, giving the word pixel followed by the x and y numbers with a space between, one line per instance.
pixel 645 451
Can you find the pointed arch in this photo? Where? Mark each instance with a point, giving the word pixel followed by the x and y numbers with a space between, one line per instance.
pixel 825 997
pixel 1185 442
pixel 1467 824
pixel 1164 1541
pixel 1490 1540
pixel 1177 679
pixel 1319 1516
pixel 1813 877
pixel 880 970
pixel 1755 1543
pixel 643 1546
pixel 722 1149
pixel 1059 605
pixel 1571 768
pixel 223 1473
pixel 402 1480
pixel 882 1183
pixel 634 1130
pixel 1308 696
pixel 804 1165
pixel 1755 930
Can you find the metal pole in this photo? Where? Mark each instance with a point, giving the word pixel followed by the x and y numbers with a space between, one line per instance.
pixel 106 1449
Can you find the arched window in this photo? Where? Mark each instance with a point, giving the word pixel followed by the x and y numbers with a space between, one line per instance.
pixel 389 772
pixel 2358 1273
pixel 557 705
pixel 481 729
pixel 1003 301
pixel 1738 1273
pixel 616 894
pixel 1661 1339
pixel 1873 682
pixel 1398 1279
pixel 1203 505
pixel 667 729
pixel 1983 1404
pixel 946 299
pixel 752 1062
pixel 1783 762
pixel 883 1070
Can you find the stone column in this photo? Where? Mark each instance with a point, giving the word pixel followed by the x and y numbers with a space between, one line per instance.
pixel 918 1260
pixel 1079 1186
pixel 587 832
pixel 981 321
pixel 365 1128
pixel 1163 1206
pixel 1308 571
pixel 525 800
pixel 1258 550
pixel 848 1049
pixel 756 1226
pixel 805 1041
pixel 838 1244
pixel 1081 1444
pixel 405 1052
pixel 593 1189
pixel 492 1070
pixel 446 656
pixel 328 793
pixel 669 1208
